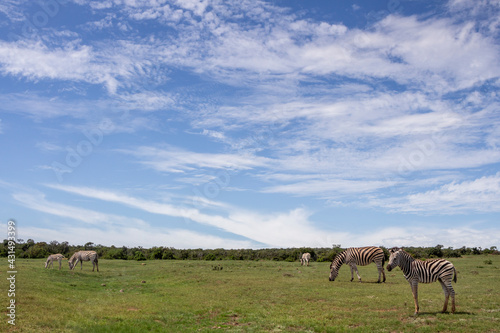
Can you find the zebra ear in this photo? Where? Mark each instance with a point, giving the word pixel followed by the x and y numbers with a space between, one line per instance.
pixel 394 250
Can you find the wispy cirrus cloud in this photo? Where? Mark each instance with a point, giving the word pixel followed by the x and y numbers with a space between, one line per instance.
pixel 267 45
pixel 291 226
pixel 173 159
pixel 279 229
pixel 37 201
pixel 478 195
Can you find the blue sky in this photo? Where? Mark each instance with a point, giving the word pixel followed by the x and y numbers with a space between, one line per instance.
pixel 251 124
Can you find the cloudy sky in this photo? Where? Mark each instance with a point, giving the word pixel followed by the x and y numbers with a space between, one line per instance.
pixel 251 124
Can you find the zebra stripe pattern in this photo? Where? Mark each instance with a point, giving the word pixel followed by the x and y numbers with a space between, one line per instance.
pixel 82 256
pixel 361 256
pixel 305 259
pixel 54 257
pixel 428 271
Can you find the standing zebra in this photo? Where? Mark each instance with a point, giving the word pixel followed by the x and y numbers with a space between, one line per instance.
pixel 82 256
pixel 53 257
pixel 305 259
pixel 428 271
pixel 358 256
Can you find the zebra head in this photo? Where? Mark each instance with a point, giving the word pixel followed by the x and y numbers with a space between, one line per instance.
pixel 333 272
pixel 394 258
pixel 70 265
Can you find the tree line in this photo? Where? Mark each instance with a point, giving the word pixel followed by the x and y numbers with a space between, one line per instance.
pixel 32 249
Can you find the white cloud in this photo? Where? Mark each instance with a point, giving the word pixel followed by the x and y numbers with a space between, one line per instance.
pixel 37 201
pixel 281 229
pixel 174 159
pixel 330 187
pixel 479 195
pixel 48 147
pixel 317 109
pixel 409 235
pixel 278 229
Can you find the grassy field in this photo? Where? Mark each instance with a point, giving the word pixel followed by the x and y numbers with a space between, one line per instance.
pixel 244 296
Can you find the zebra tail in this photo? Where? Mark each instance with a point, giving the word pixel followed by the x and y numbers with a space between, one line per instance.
pixel 454 275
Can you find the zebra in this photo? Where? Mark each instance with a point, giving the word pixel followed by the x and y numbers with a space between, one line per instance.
pixel 53 257
pixel 358 256
pixel 305 259
pixel 82 256
pixel 428 271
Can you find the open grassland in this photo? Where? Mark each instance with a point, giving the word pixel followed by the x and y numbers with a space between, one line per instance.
pixel 244 296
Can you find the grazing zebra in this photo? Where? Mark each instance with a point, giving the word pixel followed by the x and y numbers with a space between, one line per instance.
pixel 358 256
pixel 305 259
pixel 82 256
pixel 53 257
pixel 428 271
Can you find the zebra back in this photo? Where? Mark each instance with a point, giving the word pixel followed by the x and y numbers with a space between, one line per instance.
pixel 365 255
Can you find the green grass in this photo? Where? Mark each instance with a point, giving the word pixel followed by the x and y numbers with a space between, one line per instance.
pixel 245 296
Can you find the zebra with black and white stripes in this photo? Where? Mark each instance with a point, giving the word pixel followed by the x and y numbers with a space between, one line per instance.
pixel 54 257
pixel 427 271
pixel 361 256
pixel 82 256
pixel 304 260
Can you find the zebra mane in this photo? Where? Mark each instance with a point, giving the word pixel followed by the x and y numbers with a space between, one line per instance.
pixel 73 257
pixel 339 259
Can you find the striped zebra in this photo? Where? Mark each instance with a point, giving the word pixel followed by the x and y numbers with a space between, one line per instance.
pixel 361 256
pixel 54 257
pixel 305 259
pixel 428 271
pixel 82 256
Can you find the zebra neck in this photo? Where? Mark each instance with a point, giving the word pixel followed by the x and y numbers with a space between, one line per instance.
pixel 339 260
pixel 405 265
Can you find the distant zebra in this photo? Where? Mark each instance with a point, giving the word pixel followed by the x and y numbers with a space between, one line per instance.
pixel 428 271
pixel 82 256
pixel 305 259
pixel 54 257
pixel 361 256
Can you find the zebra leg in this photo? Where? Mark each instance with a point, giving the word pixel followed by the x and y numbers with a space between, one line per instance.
pixel 97 264
pixel 452 293
pixel 446 295
pixel 380 270
pixel 352 272
pixel 414 290
pixel 357 272
pixel 380 267
pixel 60 262
pixel 452 300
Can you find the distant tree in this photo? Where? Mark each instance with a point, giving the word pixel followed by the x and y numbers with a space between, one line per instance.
pixel 89 246
pixel 139 256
